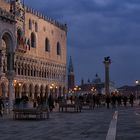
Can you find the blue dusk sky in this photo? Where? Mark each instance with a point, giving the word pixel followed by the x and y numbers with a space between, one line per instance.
pixel 99 28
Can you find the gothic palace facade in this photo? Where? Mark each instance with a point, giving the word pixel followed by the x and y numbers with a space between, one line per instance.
pixel 32 52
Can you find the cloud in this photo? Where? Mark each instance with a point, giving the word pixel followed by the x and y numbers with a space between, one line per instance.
pixel 97 28
pixel 103 2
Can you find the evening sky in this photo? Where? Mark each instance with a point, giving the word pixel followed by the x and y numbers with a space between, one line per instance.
pixel 99 28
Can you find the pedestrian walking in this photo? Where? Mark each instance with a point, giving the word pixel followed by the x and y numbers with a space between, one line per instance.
pixel 1 107
pixel 113 99
pixel 125 100
pixel 119 99
pixel 51 102
pixel 107 101
pixel 131 99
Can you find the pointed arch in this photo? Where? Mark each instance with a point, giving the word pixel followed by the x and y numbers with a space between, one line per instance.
pixel 36 27
pixel 30 24
pixel 24 89
pixel 41 90
pixel 33 40
pixel 3 90
pixel 17 90
pixel 47 45
pixel 8 40
pixel 19 37
pixel 31 91
pixel 58 49
pixel 36 91
pixel 46 91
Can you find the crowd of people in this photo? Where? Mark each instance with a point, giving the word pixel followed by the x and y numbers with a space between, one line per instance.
pixel 96 100
pixel 92 100
pixel 119 100
pixel 24 102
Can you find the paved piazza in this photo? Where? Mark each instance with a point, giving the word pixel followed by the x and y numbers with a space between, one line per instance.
pixel 87 125
pixel 128 127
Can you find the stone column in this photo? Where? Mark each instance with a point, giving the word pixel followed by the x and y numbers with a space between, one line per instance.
pixel 107 62
pixel 56 91
pixel 1 62
pixel 10 77
pixel 49 92
pixel 11 89
pixel 43 92
pixel 20 91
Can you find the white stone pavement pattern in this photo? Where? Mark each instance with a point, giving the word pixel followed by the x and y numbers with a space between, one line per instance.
pixel 87 125
pixel 111 135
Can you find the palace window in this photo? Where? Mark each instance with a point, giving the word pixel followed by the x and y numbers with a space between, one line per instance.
pixel 33 40
pixel 47 45
pixel 19 37
pixel 18 70
pixel 58 49
pixel 30 24
pixel 36 27
pixel 34 73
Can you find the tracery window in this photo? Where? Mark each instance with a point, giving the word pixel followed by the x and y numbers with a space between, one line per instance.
pixel 36 27
pixel 33 40
pixel 30 24
pixel 58 49
pixel 47 45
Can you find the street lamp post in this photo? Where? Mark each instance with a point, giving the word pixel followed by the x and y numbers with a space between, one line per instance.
pixel 137 83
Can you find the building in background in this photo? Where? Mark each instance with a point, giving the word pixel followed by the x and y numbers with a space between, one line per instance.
pixel 96 86
pixel 32 52
pixel 127 90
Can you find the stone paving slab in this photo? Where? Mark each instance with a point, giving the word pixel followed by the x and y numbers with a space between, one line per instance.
pixel 87 125
pixel 128 127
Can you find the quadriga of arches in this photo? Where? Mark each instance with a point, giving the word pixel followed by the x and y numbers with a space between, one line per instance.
pixel 4 89
pixel 32 91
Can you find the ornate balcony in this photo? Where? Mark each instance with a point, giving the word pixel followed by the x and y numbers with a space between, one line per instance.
pixel 21 50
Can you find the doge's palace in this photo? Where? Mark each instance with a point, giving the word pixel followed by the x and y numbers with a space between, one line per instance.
pixel 32 52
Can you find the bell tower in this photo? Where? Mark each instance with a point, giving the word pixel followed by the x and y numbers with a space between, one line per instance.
pixel 71 77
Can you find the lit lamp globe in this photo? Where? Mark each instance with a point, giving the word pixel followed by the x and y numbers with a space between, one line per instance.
pixel 137 82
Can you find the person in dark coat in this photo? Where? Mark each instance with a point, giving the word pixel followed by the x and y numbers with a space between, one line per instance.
pixel 51 102
pixel 1 106
pixel 131 98
pixel 113 99
pixel 108 101
pixel 119 99
pixel 125 100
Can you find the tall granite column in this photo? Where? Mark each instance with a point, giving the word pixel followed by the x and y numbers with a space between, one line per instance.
pixel 107 62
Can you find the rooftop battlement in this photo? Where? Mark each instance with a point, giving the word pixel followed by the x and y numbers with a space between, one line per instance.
pixel 42 16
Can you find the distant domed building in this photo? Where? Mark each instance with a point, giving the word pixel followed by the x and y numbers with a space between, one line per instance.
pixel 96 86
pixel 97 79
